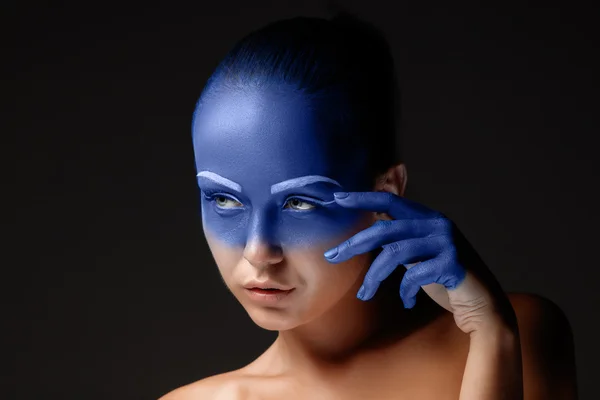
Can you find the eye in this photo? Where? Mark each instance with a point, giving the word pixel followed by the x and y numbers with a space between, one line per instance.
pixel 298 204
pixel 221 200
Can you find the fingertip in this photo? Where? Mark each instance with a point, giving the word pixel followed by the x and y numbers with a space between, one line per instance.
pixel 368 295
pixel 361 292
pixel 409 303
pixel 331 253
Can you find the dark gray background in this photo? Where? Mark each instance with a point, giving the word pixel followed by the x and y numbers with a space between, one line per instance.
pixel 110 289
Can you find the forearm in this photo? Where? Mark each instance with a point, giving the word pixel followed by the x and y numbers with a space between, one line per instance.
pixel 494 366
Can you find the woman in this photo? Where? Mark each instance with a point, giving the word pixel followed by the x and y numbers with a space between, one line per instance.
pixel 303 211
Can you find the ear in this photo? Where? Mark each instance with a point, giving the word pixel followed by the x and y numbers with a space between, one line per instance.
pixel 393 181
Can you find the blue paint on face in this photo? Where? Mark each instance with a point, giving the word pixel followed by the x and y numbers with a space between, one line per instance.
pixel 267 170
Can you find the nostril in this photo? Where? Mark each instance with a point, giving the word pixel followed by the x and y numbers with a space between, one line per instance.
pixel 262 254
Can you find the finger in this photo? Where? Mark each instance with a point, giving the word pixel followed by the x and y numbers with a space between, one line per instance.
pixel 377 235
pixel 386 202
pixel 443 269
pixel 394 254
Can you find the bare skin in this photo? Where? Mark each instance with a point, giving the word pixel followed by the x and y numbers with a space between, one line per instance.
pixel 380 350
pixel 427 364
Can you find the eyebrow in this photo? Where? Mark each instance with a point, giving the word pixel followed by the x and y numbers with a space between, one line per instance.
pixel 276 188
pixel 211 176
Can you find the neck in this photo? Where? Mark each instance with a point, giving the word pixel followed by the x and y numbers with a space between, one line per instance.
pixel 334 335
pixel 340 335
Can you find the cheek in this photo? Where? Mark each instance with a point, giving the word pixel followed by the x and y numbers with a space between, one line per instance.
pixel 225 257
pixel 341 274
pixel 227 227
pixel 323 284
pixel 346 273
pixel 321 228
pixel 324 276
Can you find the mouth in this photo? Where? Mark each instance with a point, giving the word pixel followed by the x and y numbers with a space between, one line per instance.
pixel 268 295
pixel 268 290
pixel 267 285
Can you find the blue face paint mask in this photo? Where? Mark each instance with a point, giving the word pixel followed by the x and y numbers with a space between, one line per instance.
pixel 267 170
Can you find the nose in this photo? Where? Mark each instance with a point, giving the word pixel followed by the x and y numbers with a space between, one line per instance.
pixel 261 253
pixel 262 247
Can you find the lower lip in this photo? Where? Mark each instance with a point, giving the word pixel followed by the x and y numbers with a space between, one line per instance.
pixel 268 296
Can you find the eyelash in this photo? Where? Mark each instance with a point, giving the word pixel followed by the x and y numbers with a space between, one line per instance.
pixel 211 195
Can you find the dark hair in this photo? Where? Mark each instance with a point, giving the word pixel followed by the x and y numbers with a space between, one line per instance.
pixel 343 64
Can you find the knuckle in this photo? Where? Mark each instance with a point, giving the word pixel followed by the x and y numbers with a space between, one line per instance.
pixel 383 224
pixel 393 248
pixel 347 243
pixel 410 277
pixel 446 242
pixel 450 255
pixel 443 224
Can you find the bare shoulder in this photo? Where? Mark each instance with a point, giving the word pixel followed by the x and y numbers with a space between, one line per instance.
pixel 547 347
pixel 541 319
pixel 217 387
pixel 533 305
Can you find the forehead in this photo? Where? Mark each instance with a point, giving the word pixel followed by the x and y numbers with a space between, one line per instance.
pixel 262 134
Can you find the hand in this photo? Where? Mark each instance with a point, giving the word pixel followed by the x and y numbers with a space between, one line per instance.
pixel 437 256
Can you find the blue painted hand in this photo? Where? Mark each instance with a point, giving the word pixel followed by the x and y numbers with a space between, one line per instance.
pixel 435 253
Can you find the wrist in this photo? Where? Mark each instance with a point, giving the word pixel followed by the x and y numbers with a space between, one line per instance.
pixel 497 331
pixel 499 320
pixel 494 365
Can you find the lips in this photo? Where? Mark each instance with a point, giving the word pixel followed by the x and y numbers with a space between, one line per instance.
pixel 270 297
pixel 267 286
pixel 268 291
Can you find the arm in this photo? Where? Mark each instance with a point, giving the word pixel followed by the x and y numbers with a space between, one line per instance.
pixel 493 370
pixel 435 252
pixel 548 349
pixel 544 343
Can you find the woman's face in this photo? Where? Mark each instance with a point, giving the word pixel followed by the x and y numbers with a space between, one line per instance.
pixel 267 180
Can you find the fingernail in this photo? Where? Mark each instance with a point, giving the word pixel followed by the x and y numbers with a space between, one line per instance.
pixel 361 292
pixel 340 195
pixel 331 252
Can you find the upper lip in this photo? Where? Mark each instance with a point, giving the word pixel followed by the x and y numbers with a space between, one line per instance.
pixel 266 285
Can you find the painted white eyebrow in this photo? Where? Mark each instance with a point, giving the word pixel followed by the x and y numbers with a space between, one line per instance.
pixel 220 180
pixel 302 181
pixel 276 188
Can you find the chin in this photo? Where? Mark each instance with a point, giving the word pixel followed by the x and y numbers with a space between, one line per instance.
pixel 272 319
